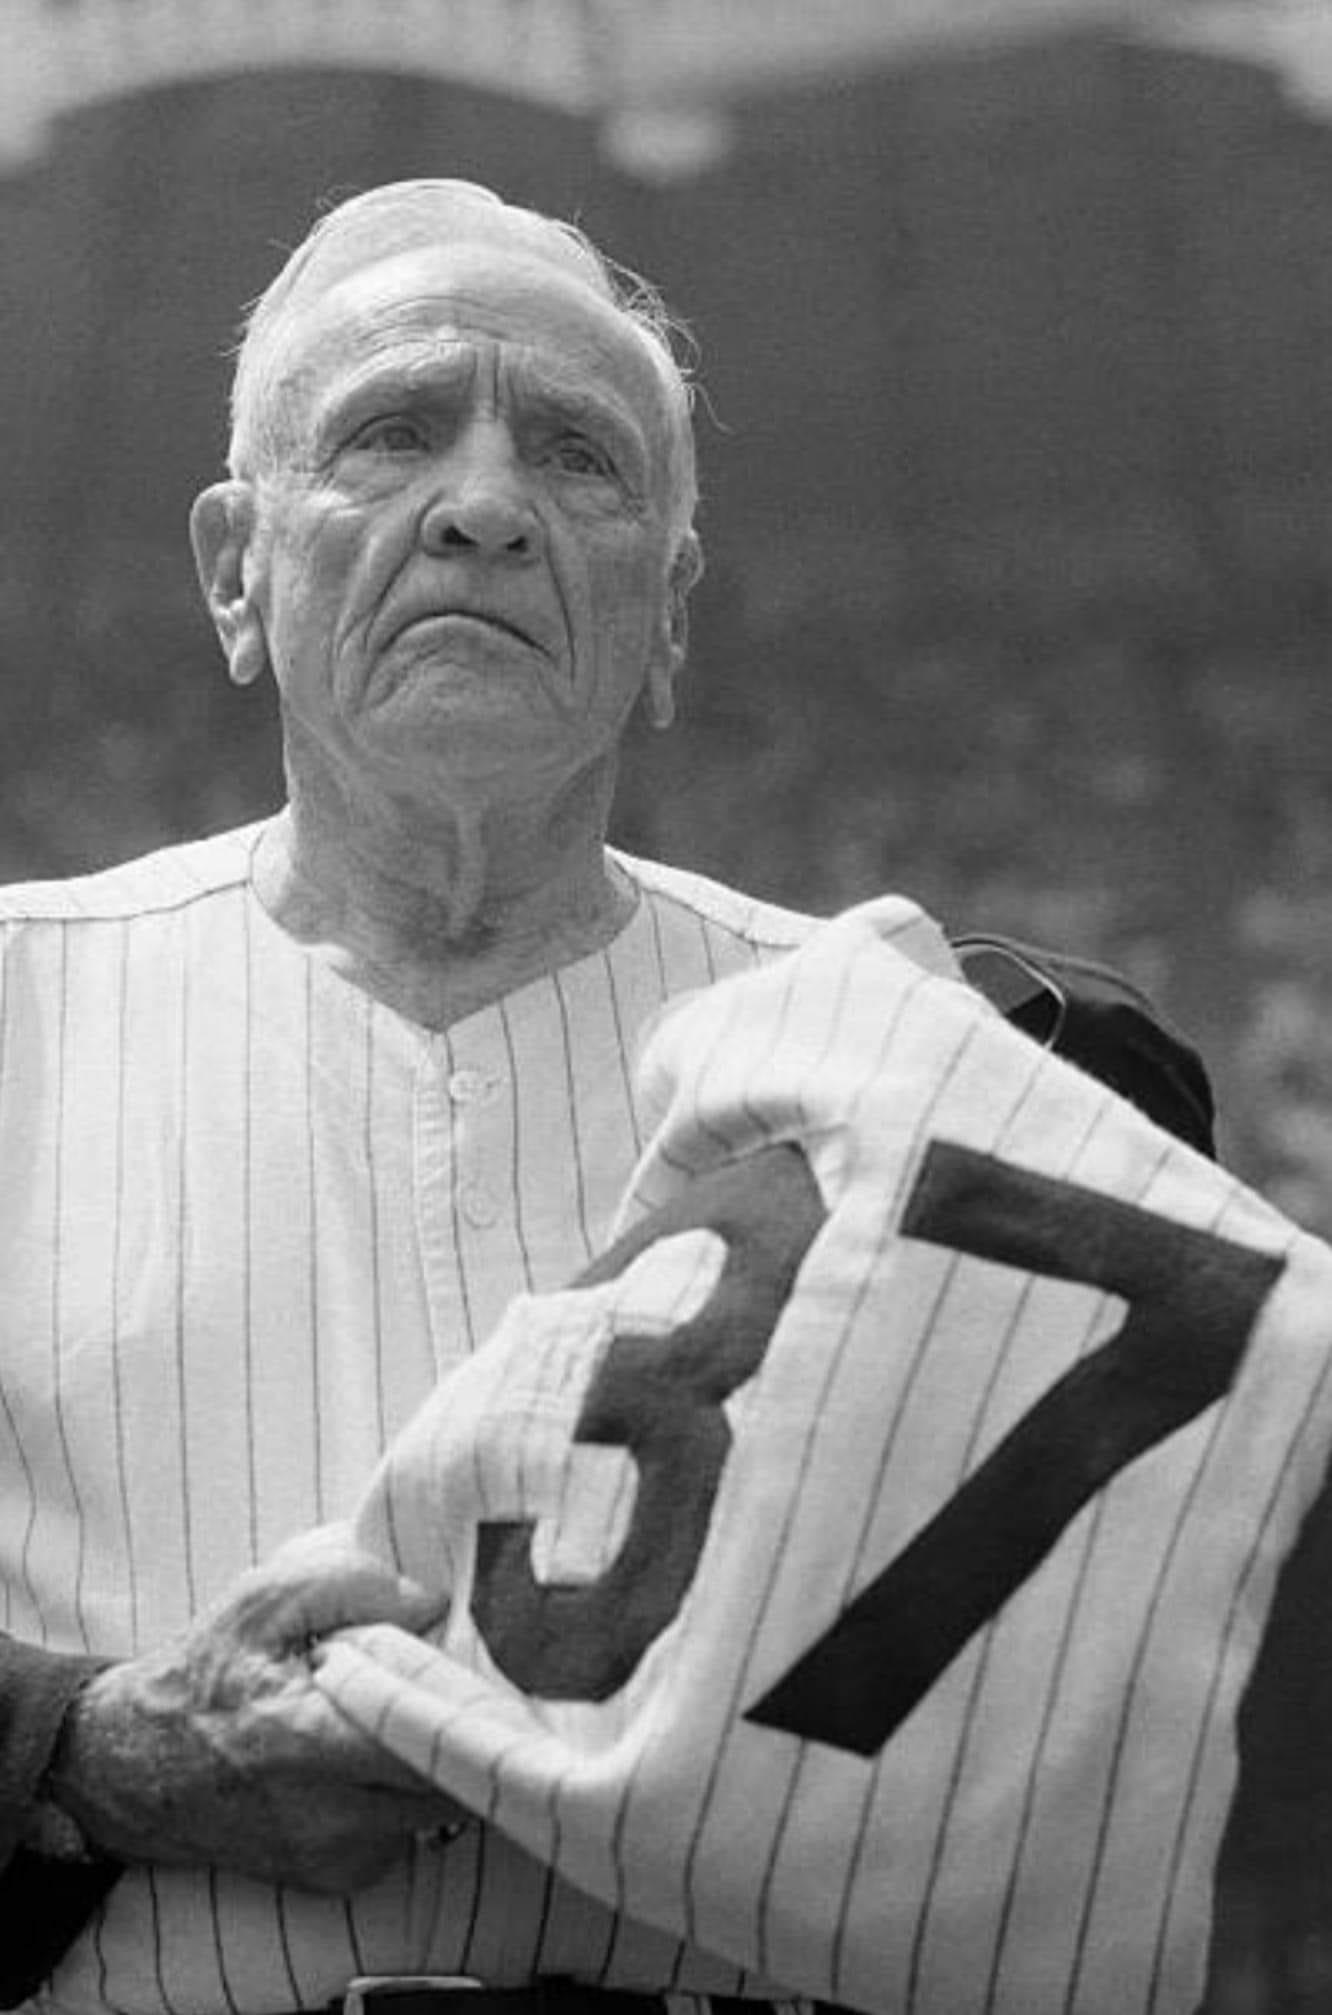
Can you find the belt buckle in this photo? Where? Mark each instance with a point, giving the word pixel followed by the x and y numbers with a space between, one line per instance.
pixel 368 1990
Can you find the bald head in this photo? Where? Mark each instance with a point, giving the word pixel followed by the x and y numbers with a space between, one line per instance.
pixel 403 217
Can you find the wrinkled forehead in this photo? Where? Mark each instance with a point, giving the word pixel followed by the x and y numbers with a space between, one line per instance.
pixel 523 285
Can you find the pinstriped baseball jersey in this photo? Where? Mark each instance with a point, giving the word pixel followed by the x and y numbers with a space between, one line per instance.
pixel 857 1574
pixel 251 1218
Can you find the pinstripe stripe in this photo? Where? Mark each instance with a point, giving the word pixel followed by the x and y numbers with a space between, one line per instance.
pixel 756 1127
pixel 1130 1694
pixel 312 1218
pixel 182 1333
pixel 622 1048
pixel 25 1548
pixel 536 1965
pixel 483 1841
pixel 744 1095
pixel 428 1094
pixel 1280 1484
pixel 103 1973
pixel 372 1244
pixel 481 1483
pixel 248 1204
pixel 709 956
pixel 187 1510
pixel 947 1072
pixel 1053 1692
pixel 658 950
pixel 353 1936
pixel 548 1367
pixel 580 1173
pixel 616 1925
pixel 30 1521
pixel 446 1721
pixel 57 1262
pixel 5 1591
pixel 620 1810
pixel 1054 1689
pixel 218 1951
pixel 506 1027
pixel 117 1262
pixel 29 1480
pixel 627 1486
pixel 699 1122
pixel 376 1279
pixel 968 1719
pixel 684 965
pixel 1104 1823
pixel 159 1955
pixel 791 1516
pixel 496 1772
pixel 744 921
pixel 284 1939
pixel 800 1089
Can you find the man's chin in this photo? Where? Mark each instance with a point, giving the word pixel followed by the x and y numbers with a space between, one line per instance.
pixel 463 723
pixel 499 672
pixel 431 690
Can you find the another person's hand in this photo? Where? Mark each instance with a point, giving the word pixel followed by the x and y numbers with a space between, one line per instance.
pixel 218 1749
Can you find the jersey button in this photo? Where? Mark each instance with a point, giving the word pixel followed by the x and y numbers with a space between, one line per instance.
pixel 478 1205
pixel 468 1086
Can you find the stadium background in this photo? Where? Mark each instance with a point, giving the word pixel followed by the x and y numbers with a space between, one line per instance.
pixel 1016 428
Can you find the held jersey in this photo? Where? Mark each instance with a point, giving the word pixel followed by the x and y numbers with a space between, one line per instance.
pixel 856 1572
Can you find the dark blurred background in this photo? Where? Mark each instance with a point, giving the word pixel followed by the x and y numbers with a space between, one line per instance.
pixel 1017 454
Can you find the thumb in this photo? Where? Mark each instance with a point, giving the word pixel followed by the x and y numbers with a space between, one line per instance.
pixel 360 1590
pixel 321 1582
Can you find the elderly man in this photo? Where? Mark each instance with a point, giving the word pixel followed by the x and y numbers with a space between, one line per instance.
pixel 289 1115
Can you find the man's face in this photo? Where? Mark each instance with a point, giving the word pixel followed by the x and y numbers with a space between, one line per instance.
pixel 462 567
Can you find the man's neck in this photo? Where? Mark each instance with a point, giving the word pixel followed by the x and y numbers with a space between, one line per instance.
pixel 437 923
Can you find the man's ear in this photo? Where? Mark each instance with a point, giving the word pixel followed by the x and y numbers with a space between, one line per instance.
pixel 221 527
pixel 667 663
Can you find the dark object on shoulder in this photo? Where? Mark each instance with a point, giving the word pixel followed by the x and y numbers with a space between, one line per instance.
pixel 1101 1022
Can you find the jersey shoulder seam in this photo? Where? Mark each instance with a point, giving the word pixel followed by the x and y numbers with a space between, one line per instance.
pixel 154 884
pixel 745 917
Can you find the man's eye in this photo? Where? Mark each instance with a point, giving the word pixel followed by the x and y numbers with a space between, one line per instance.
pixel 575 455
pixel 392 435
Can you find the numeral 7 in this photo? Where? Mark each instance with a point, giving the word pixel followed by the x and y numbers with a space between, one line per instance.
pixel 1193 1301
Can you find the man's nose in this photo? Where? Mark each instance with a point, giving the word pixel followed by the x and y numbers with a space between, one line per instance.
pixel 482 503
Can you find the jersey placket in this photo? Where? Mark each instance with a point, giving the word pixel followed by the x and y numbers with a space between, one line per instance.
pixel 463 1204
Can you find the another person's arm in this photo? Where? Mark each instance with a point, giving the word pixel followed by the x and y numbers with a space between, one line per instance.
pixel 213 1750
pixel 49 1883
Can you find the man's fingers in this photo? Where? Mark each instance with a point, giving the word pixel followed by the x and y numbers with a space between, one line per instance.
pixel 321 1582
pixel 361 1591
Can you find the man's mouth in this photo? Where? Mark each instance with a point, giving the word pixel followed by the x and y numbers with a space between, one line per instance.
pixel 485 619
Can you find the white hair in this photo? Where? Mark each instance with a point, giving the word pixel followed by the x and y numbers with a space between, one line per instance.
pixel 397 217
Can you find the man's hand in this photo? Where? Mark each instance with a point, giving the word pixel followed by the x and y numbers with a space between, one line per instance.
pixel 219 1750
